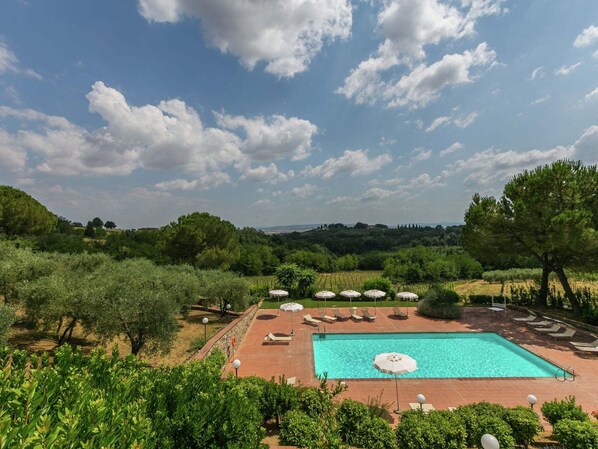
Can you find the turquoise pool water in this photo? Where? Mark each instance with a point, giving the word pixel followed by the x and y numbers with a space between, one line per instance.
pixel 438 355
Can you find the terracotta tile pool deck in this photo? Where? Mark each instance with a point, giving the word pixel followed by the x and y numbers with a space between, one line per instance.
pixel 296 359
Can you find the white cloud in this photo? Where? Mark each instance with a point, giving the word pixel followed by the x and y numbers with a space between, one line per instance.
pixel 408 27
pixel 451 149
pixel 271 139
pixel 269 174
pixel 304 191
pixel 285 34
pixel 540 100
pixel 438 121
pixel 585 147
pixel 204 182
pixel 13 157
pixel 421 154
pixel 588 37
pixel 353 163
pixel 462 121
pixel 467 120
pixel 595 54
pixel 10 63
pixel 592 95
pixel 168 136
pixel 265 203
pixel 537 73
pixel 567 70
pixel 425 83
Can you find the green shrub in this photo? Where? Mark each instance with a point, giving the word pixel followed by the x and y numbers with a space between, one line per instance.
pixel 446 311
pixel 313 402
pixel 479 299
pixel 379 283
pixel 436 430
pixel 524 422
pixel 7 318
pixel 471 415
pixel 358 427
pixel 556 410
pixel 575 434
pixel 277 399
pixel 495 425
pixel 438 295
pixel 298 429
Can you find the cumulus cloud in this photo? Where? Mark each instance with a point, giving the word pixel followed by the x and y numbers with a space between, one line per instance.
pixel 537 73
pixel 353 163
pixel 421 154
pixel 271 139
pixel 304 192
pixel 285 34
pixel 167 136
pixel 567 70
pixel 592 95
pixel 10 63
pixel 462 121
pixel 451 149
pixel 408 27
pixel 587 37
pixel 266 173
pixel 492 165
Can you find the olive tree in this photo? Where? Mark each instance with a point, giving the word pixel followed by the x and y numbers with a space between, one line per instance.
pixel 549 213
pixel 224 288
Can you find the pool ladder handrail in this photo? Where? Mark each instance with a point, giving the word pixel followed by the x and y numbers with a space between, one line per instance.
pixel 569 370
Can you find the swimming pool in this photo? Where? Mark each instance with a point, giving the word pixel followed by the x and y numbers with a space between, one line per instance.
pixel 438 355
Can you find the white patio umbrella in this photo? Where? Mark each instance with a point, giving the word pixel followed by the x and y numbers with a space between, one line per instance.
pixel 350 294
pixel 291 307
pixel 374 294
pixel 278 294
pixel 325 294
pixel 395 364
pixel 407 296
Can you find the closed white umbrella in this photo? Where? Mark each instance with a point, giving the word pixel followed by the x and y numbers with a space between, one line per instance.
pixel 407 296
pixel 278 294
pixel 325 294
pixel 374 294
pixel 291 307
pixel 350 294
pixel 395 364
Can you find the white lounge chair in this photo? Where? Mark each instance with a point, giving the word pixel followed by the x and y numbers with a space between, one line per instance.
pixel 567 333
pixel 499 306
pixel 528 319
pixel 328 318
pixel 339 316
pixel 593 350
pixel 355 316
pixel 309 320
pixel 424 407
pixel 580 344
pixel 399 313
pixel 271 338
pixel 367 315
pixel 548 330
pixel 540 323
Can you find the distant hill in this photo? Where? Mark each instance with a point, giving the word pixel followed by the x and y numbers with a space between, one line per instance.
pixel 286 229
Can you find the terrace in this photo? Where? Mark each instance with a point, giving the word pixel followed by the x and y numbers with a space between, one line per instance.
pixel 296 359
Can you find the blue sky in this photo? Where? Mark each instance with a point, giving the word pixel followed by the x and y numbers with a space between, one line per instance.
pixel 272 112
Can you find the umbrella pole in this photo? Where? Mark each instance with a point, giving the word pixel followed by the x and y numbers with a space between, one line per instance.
pixel 397 387
pixel 292 330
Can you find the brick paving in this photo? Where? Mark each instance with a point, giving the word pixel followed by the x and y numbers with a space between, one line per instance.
pixel 296 359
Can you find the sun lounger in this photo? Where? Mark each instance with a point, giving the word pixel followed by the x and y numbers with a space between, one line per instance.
pixel 328 318
pixel 499 306
pixel 540 323
pixel 580 344
pixel 367 315
pixel 309 320
pixel 271 338
pixel 424 407
pixel 399 313
pixel 355 316
pixel 547 330
pixel 528 319
pixel 567 333
pixel 339 316
pixel 593 350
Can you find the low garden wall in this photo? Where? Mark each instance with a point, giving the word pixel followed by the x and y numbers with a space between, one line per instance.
pixel 224 338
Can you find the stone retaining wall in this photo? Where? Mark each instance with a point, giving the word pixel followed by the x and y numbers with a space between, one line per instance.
pixel 223 339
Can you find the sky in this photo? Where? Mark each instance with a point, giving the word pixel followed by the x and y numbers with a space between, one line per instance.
pixel 277 112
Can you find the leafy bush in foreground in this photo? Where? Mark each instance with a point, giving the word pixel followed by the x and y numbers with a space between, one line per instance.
pixel 575 434
pixel 525 424
pixel 299 429
pixel 471 415
pixel 358 427
pixel 556 410
pixel 436 430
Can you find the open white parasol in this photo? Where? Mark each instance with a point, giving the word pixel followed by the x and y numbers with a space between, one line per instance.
pixel 395 364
